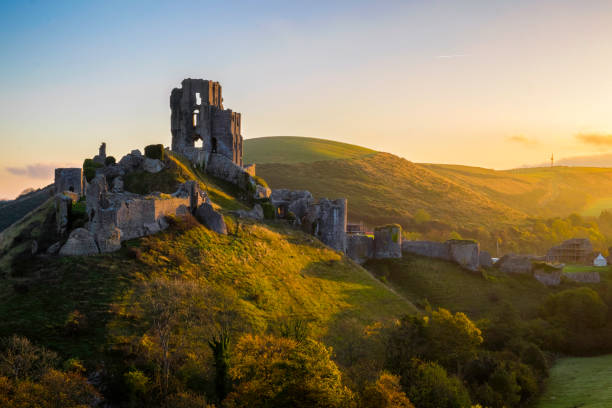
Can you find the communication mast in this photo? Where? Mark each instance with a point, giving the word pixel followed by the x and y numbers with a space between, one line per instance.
pixel 552 160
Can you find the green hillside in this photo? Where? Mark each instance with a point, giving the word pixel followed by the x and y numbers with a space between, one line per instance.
pixel 545 191
pixel 383 188
pixel 261 274
pixel 12 210
pixel 293 149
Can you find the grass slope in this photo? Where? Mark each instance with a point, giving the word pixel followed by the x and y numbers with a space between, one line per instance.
pixel 445 284
pixel 383 188
pixel 293 149
pixel 13 210
pixel 584 382
pixel 269 271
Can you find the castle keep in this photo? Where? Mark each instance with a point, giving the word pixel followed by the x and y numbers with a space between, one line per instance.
pixel 198 114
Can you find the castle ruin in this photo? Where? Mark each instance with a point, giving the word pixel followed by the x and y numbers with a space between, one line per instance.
pixel 198 114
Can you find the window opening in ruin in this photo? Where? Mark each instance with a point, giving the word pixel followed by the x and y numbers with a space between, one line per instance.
pixel 71 188
pixel 213 145
pixel 198 99
pixel 199 143
pixel 195 117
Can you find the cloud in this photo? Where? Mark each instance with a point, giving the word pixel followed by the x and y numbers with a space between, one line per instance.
pixel 35 171
pixel 597 139
pixel 522 140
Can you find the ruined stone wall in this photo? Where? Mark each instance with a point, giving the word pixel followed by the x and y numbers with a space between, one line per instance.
pixel 69 179
pixel 583 277
pixel 388 242
pixel 430 249
pixel 359 248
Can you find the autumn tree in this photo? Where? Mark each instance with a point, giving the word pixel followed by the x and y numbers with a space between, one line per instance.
pixel 386 392
pixel 269 371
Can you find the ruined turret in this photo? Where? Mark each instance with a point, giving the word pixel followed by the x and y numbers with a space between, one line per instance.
pixel 198 114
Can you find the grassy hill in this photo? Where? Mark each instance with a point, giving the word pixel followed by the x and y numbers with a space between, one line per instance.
pixel 267 272
pixel 544 192
pixel 382 187
pixel 13 210
pixel 293 149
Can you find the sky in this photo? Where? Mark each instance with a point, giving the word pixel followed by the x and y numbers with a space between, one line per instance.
pixel 497 84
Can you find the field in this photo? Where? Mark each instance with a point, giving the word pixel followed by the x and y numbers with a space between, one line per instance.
pixel 604 271
pixel 584 382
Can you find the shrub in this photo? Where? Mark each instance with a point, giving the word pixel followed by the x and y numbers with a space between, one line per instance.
pixel 89 168
pixel 576 308
pixel 268 210
pixel 385 393
pixel 427 385
pixel 76 322
pixel 109 160
pixel 260 181
pixel 155 151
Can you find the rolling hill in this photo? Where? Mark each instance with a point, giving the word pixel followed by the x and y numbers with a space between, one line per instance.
pixel 382 187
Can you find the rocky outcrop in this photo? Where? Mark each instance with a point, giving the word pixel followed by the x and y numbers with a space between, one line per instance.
pixel 211 218
pixel 80 242
pixel 359 248
pixel 513 263
pixel 388 241
pixel 221 167
pixel 132 162
pixel 261 192
pixel 256 213
pixel 152 165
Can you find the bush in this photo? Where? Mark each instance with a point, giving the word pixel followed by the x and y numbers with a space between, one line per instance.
pixel 89 168
pixel 385 393
pixel 427 385
pixel 75 324
pixel 155 151
pixel 260 181
pixel 576 309
pixel 109 160
pixel 268 210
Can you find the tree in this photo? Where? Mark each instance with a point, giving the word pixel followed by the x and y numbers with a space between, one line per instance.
pixel 577 309
pixel 453 339
pixel 281 372
pixel 220 346
pixel 421 216
pixel 386 392
pixel 22 360
pixel 170 308
pixel 55 389
pixel 429 386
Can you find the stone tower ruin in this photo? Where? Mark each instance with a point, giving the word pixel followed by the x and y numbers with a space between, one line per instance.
pixel 198 114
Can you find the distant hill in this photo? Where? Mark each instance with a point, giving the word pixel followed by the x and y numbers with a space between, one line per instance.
pixel 293 149
pixel 382 187
pixel 13 210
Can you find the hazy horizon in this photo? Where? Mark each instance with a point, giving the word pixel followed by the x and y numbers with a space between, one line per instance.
pixel 488 84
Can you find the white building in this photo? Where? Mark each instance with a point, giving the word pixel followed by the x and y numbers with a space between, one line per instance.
pixel 600 261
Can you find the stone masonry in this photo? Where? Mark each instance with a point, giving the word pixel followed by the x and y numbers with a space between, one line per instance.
pixel 388 241
pixel 198 114
pixel 70 179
